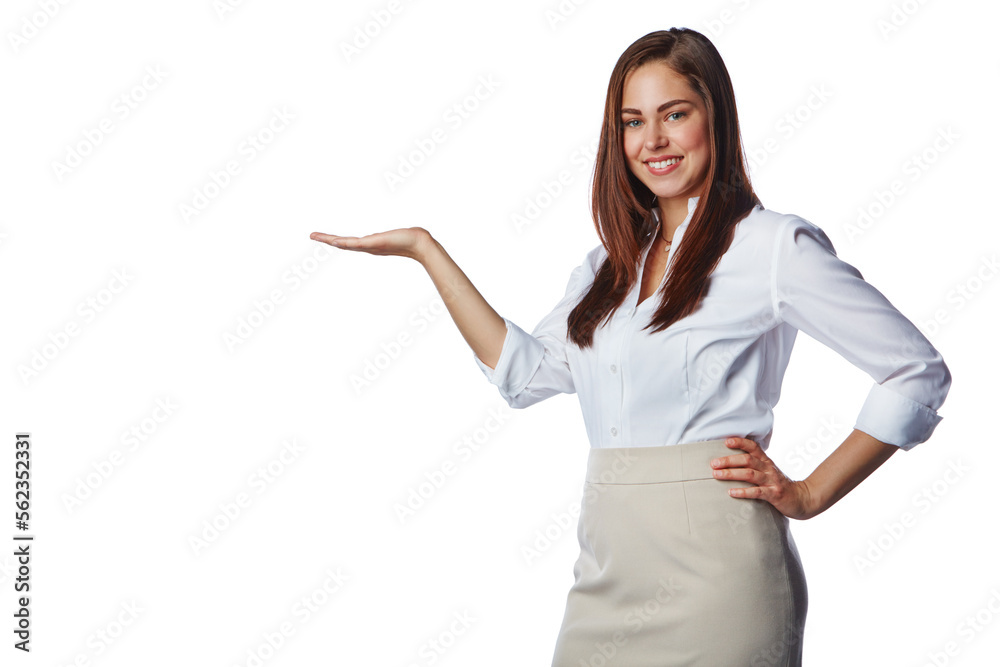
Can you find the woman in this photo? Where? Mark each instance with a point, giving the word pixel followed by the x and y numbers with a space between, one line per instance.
pixel 686 557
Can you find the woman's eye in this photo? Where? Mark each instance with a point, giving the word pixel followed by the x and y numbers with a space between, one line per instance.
pixel 634 122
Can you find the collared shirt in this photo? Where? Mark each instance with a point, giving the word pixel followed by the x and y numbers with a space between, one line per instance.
pixel 717 372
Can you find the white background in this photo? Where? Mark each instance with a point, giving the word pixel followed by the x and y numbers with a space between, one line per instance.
pixel 106 542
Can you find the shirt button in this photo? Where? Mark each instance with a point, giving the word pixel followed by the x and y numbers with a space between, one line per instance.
pixel 614 431
pixel 614 369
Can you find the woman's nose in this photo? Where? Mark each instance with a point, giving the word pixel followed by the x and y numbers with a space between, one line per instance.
pixel 656 137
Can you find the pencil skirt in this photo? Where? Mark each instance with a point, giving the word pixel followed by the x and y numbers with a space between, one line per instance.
pixel 674 571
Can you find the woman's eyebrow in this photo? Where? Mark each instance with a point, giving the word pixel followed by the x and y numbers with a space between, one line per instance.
pixel 665 105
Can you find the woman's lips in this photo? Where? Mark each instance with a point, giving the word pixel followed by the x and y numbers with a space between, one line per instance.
pixel 660 172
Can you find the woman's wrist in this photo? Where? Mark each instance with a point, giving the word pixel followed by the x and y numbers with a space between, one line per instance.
pixel 850 464
pixel 425 246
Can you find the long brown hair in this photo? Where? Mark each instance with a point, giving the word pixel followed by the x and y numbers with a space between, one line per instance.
pixel 621 203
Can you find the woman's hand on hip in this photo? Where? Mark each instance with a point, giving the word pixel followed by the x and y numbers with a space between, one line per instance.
pixel 409 242
pixel 791 498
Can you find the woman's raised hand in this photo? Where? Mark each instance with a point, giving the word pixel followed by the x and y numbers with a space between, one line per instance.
pixel 409 242
pixel 481 326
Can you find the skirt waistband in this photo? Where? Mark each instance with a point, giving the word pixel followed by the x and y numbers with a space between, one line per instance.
pixel 645 465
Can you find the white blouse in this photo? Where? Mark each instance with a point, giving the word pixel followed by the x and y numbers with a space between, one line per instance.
pixel 717 372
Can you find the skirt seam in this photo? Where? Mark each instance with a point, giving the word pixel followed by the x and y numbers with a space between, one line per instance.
pixel 790 620
pixel 687 512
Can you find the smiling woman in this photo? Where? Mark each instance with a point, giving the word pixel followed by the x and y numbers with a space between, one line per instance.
pixel 686 553
pixel 669 139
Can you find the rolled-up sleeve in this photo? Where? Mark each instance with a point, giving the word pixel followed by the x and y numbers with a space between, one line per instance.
pixel 828 299
pixel 533 367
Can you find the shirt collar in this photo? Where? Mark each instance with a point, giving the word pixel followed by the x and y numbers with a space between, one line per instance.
pixel 692 205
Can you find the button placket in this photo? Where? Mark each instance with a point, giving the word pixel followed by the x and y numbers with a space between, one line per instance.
pixel 616 379
pixel 617 383
pixel 619 366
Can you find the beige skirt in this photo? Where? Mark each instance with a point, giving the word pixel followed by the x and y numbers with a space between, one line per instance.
pixel 674 571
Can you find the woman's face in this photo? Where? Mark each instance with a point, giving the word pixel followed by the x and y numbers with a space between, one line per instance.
pixel 665 134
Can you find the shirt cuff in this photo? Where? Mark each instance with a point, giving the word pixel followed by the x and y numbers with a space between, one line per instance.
pixel 520 358
pixel 896 419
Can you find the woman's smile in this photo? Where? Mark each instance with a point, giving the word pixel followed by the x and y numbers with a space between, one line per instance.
pixel 662 166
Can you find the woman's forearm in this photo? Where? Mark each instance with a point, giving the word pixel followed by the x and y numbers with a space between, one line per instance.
pixel 849 464
pixel 481 326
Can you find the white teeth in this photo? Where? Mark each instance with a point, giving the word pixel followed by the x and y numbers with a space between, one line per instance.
pixel 663 164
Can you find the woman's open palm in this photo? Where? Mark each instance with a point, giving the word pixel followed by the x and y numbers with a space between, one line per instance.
pixel 403 242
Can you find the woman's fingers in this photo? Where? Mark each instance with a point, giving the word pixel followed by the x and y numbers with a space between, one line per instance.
pixel 789 497
pixel 332 239
pixel 369 243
